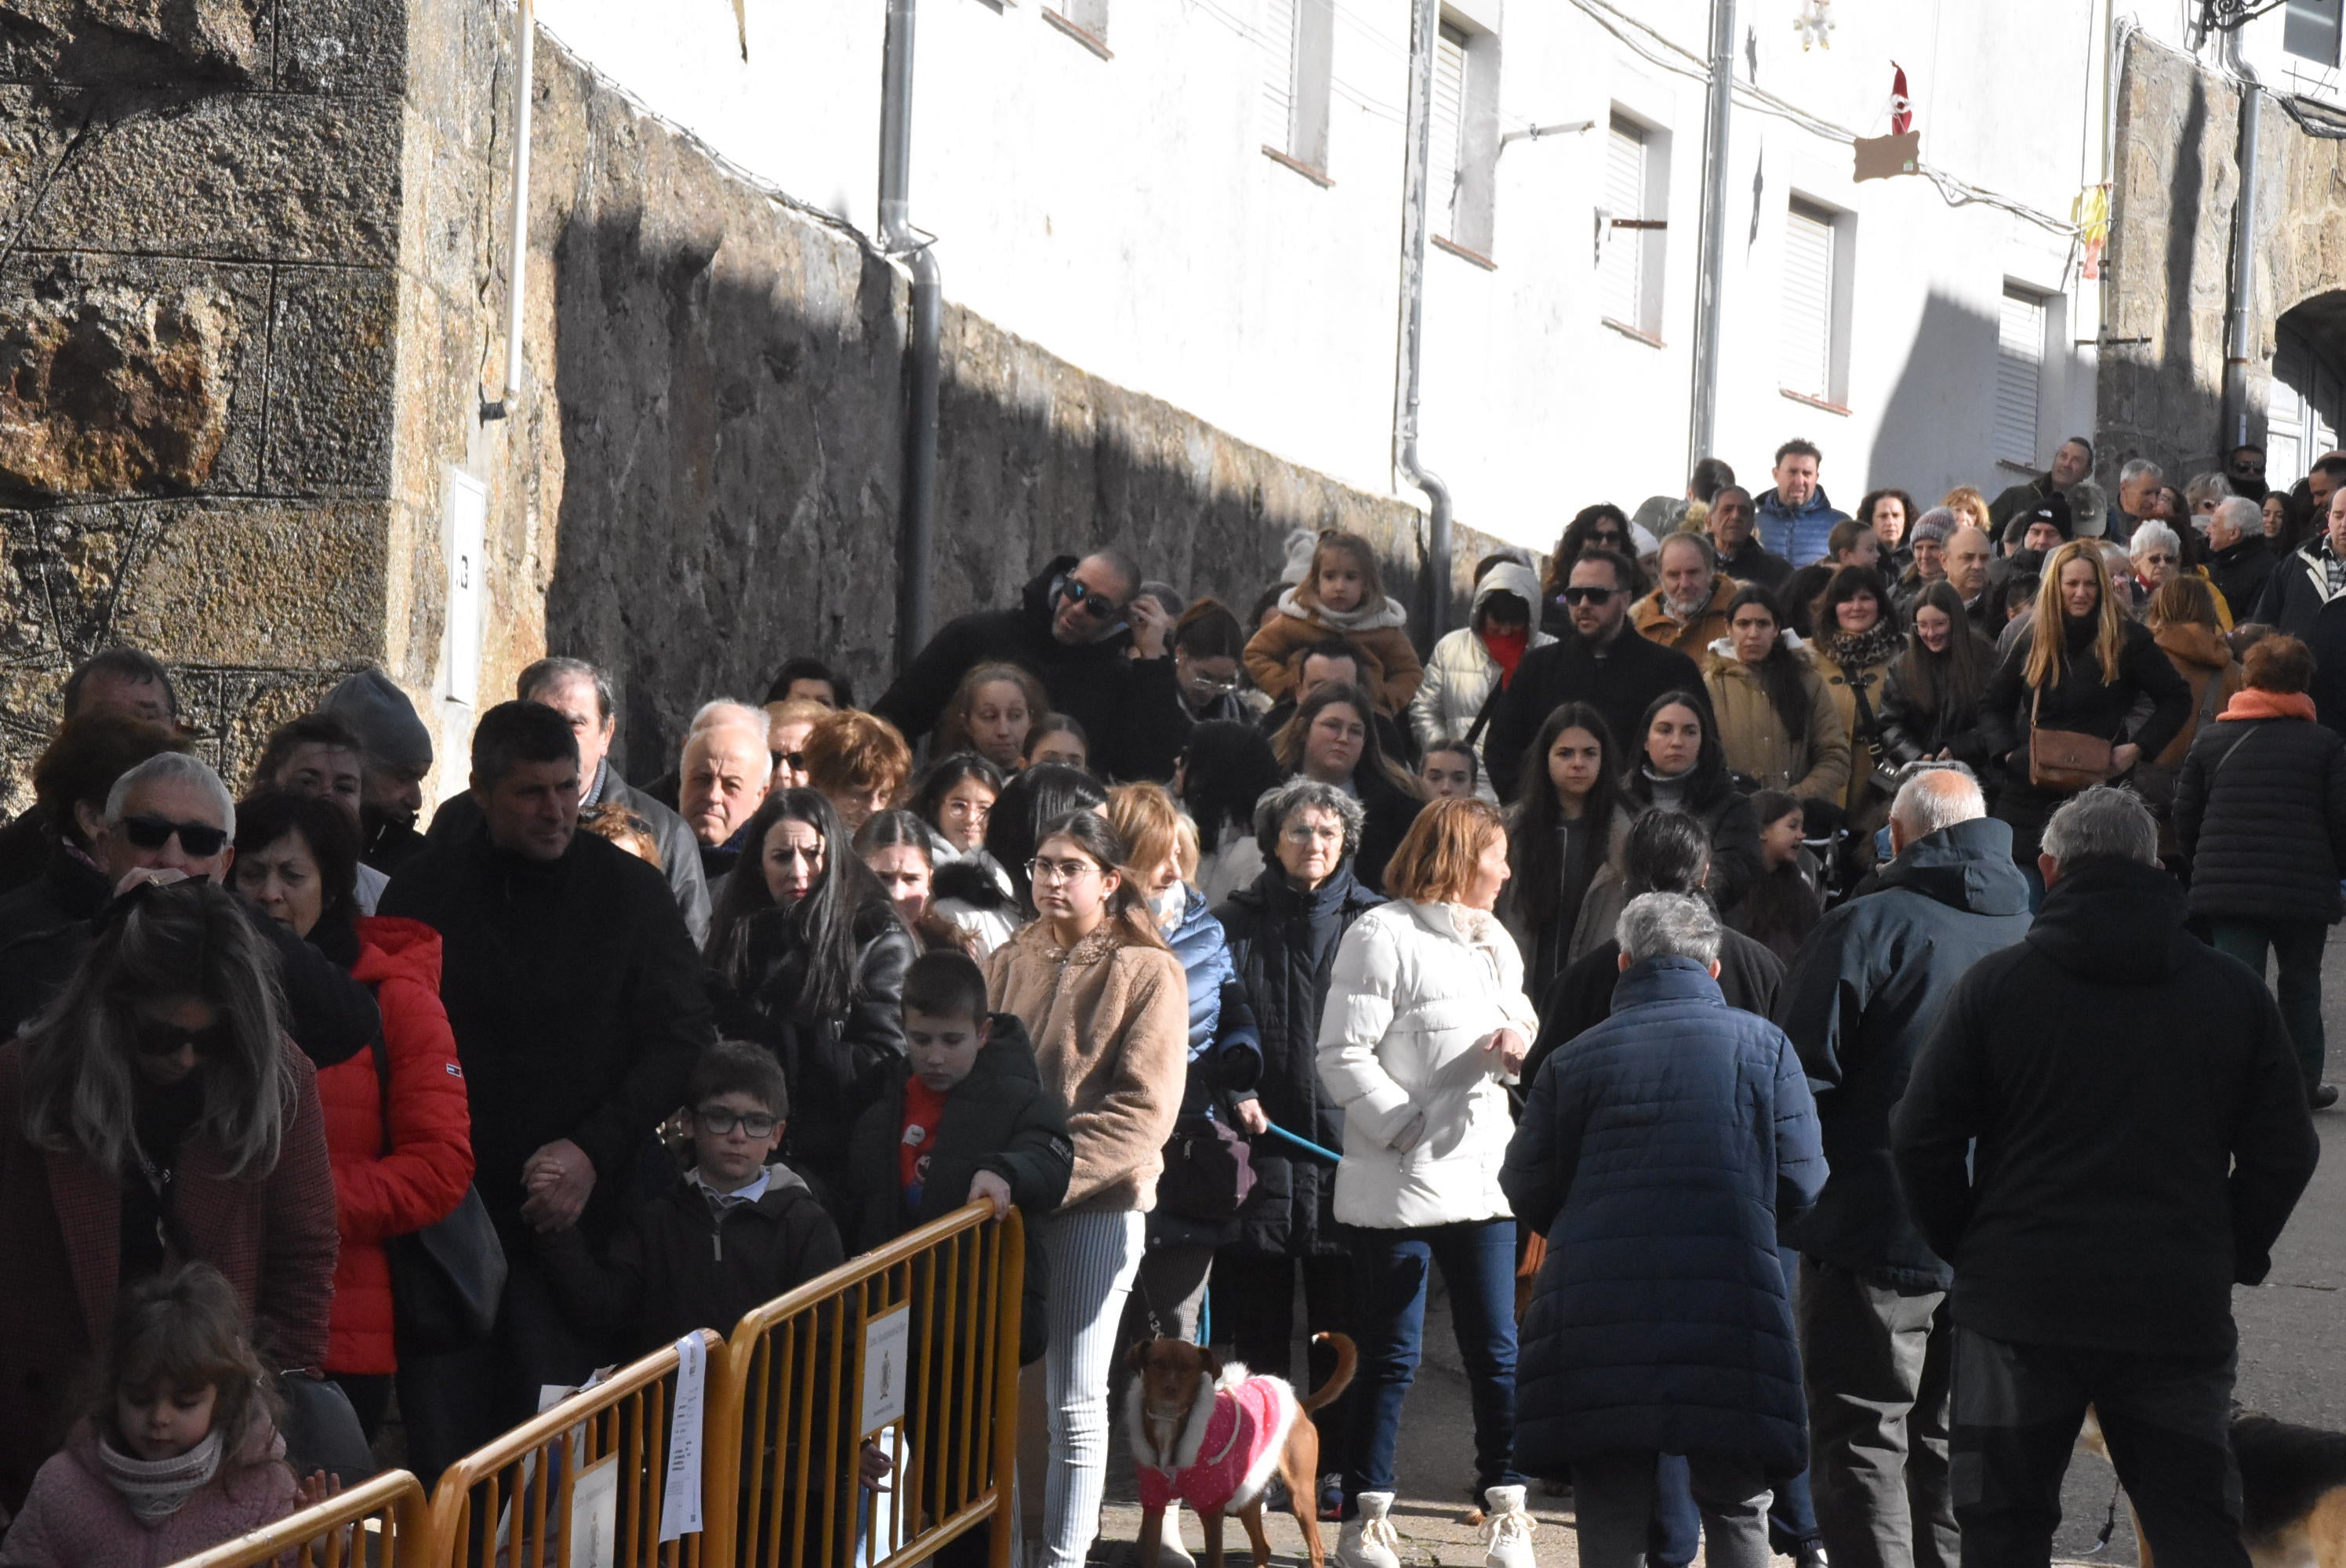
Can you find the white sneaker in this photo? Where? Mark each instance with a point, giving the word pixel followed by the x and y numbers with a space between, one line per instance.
pixel 1367 1540
pixel 1170 1552
pixel 1507 1530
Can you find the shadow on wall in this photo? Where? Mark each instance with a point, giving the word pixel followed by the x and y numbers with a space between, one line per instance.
pixel 1947 385
pixel 733 463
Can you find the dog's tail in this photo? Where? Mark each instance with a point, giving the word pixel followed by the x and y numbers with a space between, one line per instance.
pixel 1347 1358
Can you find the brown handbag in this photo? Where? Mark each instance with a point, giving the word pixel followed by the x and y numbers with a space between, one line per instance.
pixel 2065 758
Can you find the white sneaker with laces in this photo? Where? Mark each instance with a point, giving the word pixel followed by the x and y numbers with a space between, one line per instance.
pixel 1507 1529
pixel 1367 1540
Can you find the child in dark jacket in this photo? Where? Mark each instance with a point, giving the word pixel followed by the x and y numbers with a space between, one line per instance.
pixel 731 1234
pixel 966 1119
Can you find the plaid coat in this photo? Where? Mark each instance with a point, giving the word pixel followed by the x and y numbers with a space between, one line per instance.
pixel 273 1235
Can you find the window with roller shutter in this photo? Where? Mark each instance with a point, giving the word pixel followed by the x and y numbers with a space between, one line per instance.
pixel 2019 375
pixel 1805 333
pixel 1279 73
pixel 1449 120
pixel 1621 269
pixel 1298 40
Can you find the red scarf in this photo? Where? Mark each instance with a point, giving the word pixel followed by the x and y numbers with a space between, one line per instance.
pixel 1507 648
pixel 2251 702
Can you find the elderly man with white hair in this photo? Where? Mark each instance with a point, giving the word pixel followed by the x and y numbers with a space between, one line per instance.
pixel 1859 1002
pixel 722 781
pixel 2239 557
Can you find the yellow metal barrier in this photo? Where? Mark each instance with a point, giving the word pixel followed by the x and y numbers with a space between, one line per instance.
pixel 517 1500
pixel 383 1523
pixel 914 1345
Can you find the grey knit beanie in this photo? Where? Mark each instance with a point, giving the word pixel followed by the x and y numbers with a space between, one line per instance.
pixel 372 705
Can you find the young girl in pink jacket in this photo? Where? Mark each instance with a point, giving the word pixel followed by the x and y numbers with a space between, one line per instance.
pixel 177 1451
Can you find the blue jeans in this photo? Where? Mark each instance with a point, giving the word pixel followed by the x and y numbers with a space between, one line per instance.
pixel 1390 1269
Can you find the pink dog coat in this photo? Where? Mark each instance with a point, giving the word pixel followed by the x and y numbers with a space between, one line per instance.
pixel 1239 1434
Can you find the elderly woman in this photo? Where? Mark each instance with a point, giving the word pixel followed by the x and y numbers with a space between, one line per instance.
pixel 1926 549
pixel 1334 738
pixel 1426 1024
pixel 2260 808
pixel 156 1112
pixel 859 763
pixel 1283 930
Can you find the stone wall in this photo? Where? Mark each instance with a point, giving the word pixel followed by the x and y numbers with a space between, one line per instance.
pixel 200 200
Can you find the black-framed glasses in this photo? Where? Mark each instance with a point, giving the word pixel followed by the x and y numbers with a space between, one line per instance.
pixel 719 1123
pixel 1588 595
pixel 1087 599
pixel 200 839
pixel 161 1037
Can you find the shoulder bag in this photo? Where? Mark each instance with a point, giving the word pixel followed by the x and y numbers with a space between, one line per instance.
pixel 2065 759
pixel 447 1279
pixel 2156 783
pixel 1882 776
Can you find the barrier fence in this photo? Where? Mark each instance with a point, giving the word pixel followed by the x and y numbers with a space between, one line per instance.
pixel 909 1351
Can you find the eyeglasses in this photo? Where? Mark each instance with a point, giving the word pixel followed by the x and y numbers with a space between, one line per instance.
pixel 161 1037
pixel 1301 834
pixel 1089 600
pixel 1578 596
pixel 1219 688
pixel 795 760
pixel 200 839
pixel 719 1123
pixel 1043 871
pixel 2157 558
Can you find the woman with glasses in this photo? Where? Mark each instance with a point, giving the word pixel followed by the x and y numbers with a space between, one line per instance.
pixel 1332 739
pixel 1930 701
pixel 807 958
pixel 398 1128
pixel 2157 556
pixel 156 1112
pixel 1106 1005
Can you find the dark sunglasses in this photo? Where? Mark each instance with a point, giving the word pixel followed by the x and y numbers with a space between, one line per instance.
pixel 1089 600
pixel 200 839
pixel 797 759
pixel 161 1037
pixel 1589 595
pixel 1609 536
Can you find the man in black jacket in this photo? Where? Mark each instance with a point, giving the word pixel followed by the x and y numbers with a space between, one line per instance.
pixel 2104 1132
pixel 1603 662
pixel 2239 558
pixel 575 997
pixel 398 755
pixel 2307 582
pixel 1876 1349
pixel 1070 630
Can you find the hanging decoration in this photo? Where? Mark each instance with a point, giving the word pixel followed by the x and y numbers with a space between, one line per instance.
pixel 1902 107
pixel 1814 25
pixel 1900 152
pixel 2091 213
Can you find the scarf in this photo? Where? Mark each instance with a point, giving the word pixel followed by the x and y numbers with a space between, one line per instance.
pixel 155 1488
pixel 1506 650
pixel 1879 643
pixel 2249 702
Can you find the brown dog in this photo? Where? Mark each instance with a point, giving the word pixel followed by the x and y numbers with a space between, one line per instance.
pixel 2292 1491
pixel 1212 1436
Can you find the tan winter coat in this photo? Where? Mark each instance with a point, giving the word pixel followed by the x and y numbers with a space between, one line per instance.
pixel 2200 654
pixel 1837 681
pixel 1109 1018
pixel 1388 666
pixel 1653 623
pixel 1813 766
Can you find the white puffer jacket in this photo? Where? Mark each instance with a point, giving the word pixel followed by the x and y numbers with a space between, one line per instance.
pixel 1415 992
pixel 1461 672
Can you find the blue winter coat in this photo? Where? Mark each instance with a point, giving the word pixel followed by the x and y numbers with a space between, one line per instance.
pixel 1800 537
pixel 1225 1046
pixel 1657 1153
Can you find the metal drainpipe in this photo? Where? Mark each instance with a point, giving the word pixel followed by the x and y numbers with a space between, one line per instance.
pixel 1416 153
pixel 1702 423
pixel 525 49
pixel 2241 330
pixel 917 535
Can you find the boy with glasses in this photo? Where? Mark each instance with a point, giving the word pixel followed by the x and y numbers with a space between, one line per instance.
pixel 732 1233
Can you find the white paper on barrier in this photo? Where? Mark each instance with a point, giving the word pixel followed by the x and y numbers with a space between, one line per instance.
pixel 886 1339
pixel 594 1516
pixel 680 1505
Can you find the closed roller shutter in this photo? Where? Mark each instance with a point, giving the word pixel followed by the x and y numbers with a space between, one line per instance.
pixel 1279 73
pixel 2019 373
pixel 1449 111
pixel 1805 352
pixel 1621 275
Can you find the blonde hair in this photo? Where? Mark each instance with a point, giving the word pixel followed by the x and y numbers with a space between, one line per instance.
pixel 2047 648
pixel 1362 554
pixel 1435 863
pixel 1148 825
pixel 1972 506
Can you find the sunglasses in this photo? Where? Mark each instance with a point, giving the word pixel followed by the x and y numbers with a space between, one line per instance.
pixel 161 1037
pixel 795 759
pixel 1589 595
pixel 1090 601
pixel 200 839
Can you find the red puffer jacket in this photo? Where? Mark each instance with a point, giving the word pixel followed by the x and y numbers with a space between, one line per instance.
pixel 381 1192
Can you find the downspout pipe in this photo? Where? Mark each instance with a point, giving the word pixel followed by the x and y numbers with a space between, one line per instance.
pixel 1416 153
pixel 2241 330
pixel 1702 420
pixel 517 254
pixel 917 526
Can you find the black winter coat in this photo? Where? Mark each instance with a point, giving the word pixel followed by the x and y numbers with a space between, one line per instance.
pixel 1390 814
pixel 1283 945
pixel 1580 998
pixel 836 1066
pixel 1860 1001
pixel 2297 590
pixel 675 1264
pixel 1912 729
pixel 1621 681
pixel 67 890
pixel 2260 809
pixel 575 999
pixel 1732 822
pixel 2240 570
pixel 2078 700
pixel 2106 1130
pixel 997 1119
pixel 1657 1153
pixel 25 846
pixel 1130 707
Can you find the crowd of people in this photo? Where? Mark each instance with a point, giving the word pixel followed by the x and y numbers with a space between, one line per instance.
pixel 1798 976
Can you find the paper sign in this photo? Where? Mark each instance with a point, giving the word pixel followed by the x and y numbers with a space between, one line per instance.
pixel 680 1505
pixel 1883 157
pixel 886 1339
pixel 594 1516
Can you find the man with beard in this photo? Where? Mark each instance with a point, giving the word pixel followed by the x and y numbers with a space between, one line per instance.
pixel 1688 611
pixel 398 755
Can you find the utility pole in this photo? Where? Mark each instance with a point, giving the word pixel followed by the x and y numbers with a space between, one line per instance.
pixel 1702 424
